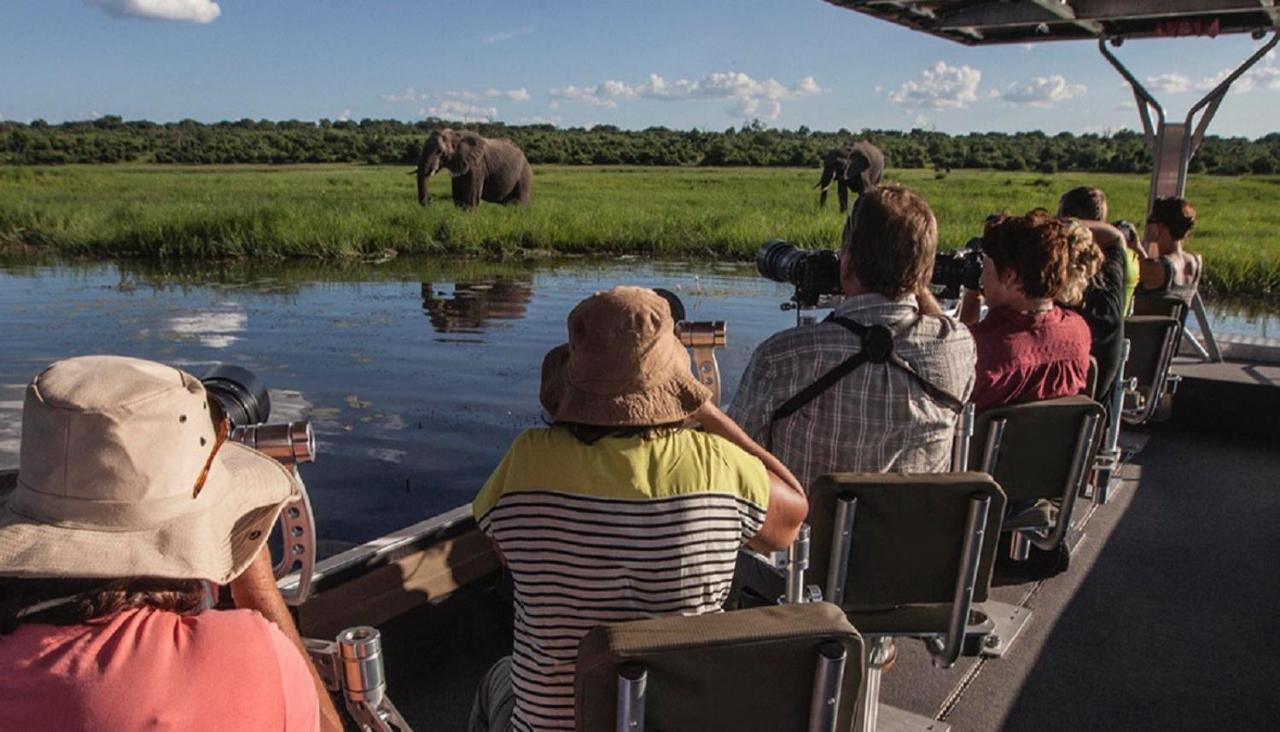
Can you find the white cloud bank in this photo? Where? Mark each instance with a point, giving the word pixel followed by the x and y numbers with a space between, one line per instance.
pixel 504 36
pixel 191 11
pixel 1043 91
pixel 460 111
pixel 941 87
pixel 409 95
pixel 747 97
pixel 1168 83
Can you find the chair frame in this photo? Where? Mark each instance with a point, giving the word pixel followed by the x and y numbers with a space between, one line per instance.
pixel 824 705
pixel 1107 461
pixel 1024 538
pixel 944 648
pixel 1164 382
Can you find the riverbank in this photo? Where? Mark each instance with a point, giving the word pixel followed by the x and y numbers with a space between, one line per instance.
pixel 319 211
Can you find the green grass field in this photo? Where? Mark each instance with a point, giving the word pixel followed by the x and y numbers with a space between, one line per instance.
pixel 177 213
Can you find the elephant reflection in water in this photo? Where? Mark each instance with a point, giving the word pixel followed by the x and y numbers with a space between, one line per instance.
pixel 471 305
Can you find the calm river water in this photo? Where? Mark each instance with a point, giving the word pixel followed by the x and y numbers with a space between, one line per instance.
pixel 415 374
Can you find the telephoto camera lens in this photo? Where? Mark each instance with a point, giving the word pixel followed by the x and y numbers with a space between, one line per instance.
pixel 779 261
pixel 241 393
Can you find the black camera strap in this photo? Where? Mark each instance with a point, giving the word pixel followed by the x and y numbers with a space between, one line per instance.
pixel 877 347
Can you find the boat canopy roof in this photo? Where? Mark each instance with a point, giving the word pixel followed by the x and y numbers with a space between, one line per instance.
pixel 983 22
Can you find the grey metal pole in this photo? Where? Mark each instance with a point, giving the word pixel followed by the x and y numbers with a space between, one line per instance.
pixel 960 452
pixel 828 677
pixel 841 544
pixel 962 599
pixel 632 679
pixel 797 563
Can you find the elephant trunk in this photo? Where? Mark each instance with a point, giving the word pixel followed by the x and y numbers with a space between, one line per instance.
pixel 422 185
pixel 828 173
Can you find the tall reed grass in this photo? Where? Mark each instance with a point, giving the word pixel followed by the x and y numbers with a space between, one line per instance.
pixel 201 213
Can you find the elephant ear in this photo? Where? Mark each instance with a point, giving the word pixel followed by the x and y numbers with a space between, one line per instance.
pixel 468 152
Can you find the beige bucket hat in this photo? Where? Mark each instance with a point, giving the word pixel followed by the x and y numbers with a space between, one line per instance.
pixel 623 365
pixel 112 451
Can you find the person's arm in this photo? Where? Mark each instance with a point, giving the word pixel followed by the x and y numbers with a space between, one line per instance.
pixel 787 511
pixel 788 505
pixel 256 589
pixel 970 306
pixel 718 423
pixel 1104 235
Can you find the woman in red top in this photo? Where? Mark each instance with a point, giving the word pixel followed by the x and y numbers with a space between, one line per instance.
pixel 1029 349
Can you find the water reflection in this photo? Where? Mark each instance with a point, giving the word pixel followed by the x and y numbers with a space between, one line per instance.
pixel 468 307
pixel 410 417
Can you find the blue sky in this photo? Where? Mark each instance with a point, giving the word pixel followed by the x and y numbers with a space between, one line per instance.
pixel 693 63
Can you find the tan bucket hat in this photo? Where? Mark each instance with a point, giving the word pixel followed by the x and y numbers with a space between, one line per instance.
pixel 112 451
pixel 623 365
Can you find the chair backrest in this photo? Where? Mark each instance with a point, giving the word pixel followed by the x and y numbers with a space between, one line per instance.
pixel 907 539
pixel 746 669
pixel 1152 345
pixel 1038 447
pixel 1157 304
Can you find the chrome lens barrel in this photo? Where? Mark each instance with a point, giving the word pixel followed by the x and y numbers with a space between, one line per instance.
pixel 290 443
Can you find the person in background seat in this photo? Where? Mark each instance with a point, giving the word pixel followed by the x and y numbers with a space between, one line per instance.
pixel 619 510
pixel 880 417
pixel 130 501
pixel 1169 269
pixel 1029 348
pixel 1103 305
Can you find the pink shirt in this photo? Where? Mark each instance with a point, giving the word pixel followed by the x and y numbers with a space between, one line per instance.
pixel 156 670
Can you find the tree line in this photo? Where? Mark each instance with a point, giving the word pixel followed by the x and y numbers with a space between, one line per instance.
pixel 111 139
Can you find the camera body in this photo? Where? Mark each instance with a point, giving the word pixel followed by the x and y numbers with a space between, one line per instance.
pixel 961 268
pixel 813 272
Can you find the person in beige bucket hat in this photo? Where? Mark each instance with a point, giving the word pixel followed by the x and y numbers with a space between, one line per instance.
pixel 129 503
pixel 620 503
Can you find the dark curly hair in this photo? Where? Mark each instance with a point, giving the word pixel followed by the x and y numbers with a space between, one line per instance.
pixel 1051 257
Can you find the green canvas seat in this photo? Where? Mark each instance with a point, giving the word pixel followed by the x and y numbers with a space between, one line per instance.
pixel 740 670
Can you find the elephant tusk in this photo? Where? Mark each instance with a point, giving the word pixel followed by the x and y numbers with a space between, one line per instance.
pixel 413 172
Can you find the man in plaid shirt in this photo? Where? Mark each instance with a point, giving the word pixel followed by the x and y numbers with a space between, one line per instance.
pixel 881 417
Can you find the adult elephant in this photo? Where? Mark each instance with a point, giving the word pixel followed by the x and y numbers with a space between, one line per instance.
pixel 857 166
pixel 483 169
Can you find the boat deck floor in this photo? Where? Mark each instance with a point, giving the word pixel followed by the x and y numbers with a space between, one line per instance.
pixel 1166 618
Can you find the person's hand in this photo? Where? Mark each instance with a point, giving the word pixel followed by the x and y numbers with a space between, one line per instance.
pixel 970 306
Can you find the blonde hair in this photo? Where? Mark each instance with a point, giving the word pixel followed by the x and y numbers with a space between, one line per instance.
pixel 1083 259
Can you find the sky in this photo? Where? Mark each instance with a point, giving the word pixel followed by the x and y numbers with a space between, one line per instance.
pixel 705 64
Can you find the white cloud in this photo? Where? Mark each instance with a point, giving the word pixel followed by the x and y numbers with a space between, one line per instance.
pixel 1260 77
pixel 194 11
pixel 942 87
pixel 410 95
pixel 459 111
pixel 1169 83
pixel 345 116
pixel 746 96
pixel 1043 91
pixel 515 95
pixel 504 36
pixel 538 119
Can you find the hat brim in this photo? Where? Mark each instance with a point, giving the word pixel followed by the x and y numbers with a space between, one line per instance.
pixel 674 397
pixel 245 491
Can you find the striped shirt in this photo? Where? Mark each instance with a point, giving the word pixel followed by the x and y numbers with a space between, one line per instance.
pixel 623 529
pixel 876 419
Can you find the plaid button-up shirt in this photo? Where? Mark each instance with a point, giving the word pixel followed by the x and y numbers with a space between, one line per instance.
pixel 877 418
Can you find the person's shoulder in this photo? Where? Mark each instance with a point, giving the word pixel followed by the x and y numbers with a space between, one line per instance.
pixel 944 330
pixel 787 341
pixel 733 468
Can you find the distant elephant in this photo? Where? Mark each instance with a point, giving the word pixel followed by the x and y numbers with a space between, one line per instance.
pixel 482 169
pixel 857 166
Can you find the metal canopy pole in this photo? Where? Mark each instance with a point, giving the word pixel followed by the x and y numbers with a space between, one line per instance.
pixel 1168 140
